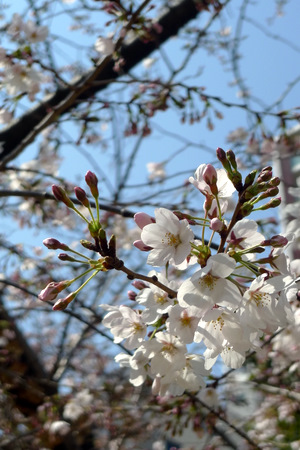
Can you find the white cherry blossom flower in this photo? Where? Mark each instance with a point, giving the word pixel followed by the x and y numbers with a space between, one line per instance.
pixel 222 333
pixel 16 26
pixel 125 323
pixel 190 378
pixel 168 354
pixel 261 308
pixel 209 285
pixel 156 171
pixel 182 322
pixel 169 238
pixel 155 300
pixel 105 46
pixel 137 363
pixel 244 234
pixel 19 78
pixel 35 33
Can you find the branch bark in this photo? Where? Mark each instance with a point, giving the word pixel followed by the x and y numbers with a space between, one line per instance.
pixel 15 138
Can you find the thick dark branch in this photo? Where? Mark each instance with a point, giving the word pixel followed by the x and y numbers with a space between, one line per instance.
pixel 21 133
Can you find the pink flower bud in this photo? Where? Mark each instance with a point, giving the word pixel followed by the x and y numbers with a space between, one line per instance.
pixel 216 224
pixel 52 289
pixel 143 219
pixel 276 241
pixel 131 295
pixel 66 257
pixel 61 196
pixel 221 155
pixel 138 284
pixel 81 196
pixel 54 244
pixel 210 175
pixel 92 182
pixel 62 303
pixel 141 246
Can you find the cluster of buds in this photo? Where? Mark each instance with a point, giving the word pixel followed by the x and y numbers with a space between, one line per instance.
pixel 253 190
pixel 107 250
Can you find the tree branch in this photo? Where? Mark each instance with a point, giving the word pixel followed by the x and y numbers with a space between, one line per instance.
pixel 25 129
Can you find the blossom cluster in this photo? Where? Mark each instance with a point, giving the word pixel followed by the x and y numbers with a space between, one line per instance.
pixel 227 297
pixel 17 71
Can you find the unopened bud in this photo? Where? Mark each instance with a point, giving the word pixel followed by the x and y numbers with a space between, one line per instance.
pixel 250 178
pixel 182 216
pixel 54 244
pixel 210 177
pixel 271 204
pixel 265 174
pixel 143 219
pixel 141 246
pixel 61 196
pixel 92 182
pixel 52 289
pixel 276 241
pixel 66 257
pixel 81 196
pixel 231 158
pixel 274 181
pixel 221 155
pixel 245 210
pixel 216 224
pixel 138 284
pixel 89 245
pixel 131 295
pixel 271 192
pixel 112 246
pixel 62 303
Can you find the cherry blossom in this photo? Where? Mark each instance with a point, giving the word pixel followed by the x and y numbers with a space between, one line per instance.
pixel 261 308
pixel 155 300
pixel 209 285
pixel 244 234
pixel 183 322
pixel 222 333
pixel 35 33
pixel 167 354
pixel 125 323
pixel 169 238
pixel 105 46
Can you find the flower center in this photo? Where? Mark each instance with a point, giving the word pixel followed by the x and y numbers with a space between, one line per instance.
pixel 185 320
pixel 161 299
pixel 171 240
pixel 219 322
pixel 207 282
pixel 137 327
pixel 261 299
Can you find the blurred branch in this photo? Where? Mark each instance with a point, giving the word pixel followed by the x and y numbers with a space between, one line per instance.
pixel 24 130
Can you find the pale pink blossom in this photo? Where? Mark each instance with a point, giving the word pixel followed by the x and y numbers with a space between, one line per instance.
pixel 125 323
pixel 104 46
pixel 155 300
pixel 244 235
pixel 183 322
pixel 156 171
pixel 35 33
pixel 169 238
pixel 209 285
